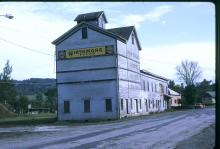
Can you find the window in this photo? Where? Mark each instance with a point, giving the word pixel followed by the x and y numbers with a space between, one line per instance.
pixel 161 89
pixel 153 103
pixel 132 38
pixel 108 105
pixel 84 32
pixel 140 103
pixel 136 105
pixel 175 101
pixel 86 105
pixel 155 87
pixel 144 85
pixel 122 106
pixel 152 86
pixel 148 86
pixel 146 105
pixel 131 104
pixel 149 103
pixel 66 106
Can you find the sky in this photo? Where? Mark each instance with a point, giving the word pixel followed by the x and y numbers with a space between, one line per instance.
pixel 168 33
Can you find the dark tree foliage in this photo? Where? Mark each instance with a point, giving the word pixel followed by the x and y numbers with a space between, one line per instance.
pixel 176 87
pixel 7 91
pixel 34 85
pixel 189 95
pixel 202 88
pixel 51 101
pixel 21 104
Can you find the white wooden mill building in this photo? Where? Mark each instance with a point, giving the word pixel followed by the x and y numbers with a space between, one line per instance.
pixel 98 73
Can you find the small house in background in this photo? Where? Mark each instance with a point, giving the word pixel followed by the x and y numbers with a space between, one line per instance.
pixel 209 98
pixel 175 98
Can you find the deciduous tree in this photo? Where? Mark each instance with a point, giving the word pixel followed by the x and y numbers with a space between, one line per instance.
pixel 188 72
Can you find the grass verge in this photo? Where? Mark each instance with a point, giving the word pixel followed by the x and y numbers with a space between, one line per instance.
pixel 29 119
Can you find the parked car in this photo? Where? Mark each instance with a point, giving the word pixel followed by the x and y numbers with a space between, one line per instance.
pixel 199 106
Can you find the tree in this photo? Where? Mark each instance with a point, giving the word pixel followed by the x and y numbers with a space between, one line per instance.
pixel 6 74
pixel 21 104
pixel 7 92
pixel 188 72
pixel 39 102
pixel 202 88
pixel 178 88
pixel 51 99
pixel 189 95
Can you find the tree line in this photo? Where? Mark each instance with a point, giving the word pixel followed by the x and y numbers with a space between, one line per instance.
pixel 13 94
pixel 192 91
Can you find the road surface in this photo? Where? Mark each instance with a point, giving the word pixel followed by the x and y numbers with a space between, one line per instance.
pixel 158 131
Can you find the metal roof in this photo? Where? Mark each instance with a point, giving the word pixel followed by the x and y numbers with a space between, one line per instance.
pixel 154 75
pixel 90 16
pixel 172 92
pixel 89 25
pixel 125 32
pixel 211 93
pixel 122 31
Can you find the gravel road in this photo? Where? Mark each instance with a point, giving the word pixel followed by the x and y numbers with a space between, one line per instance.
pixel 158 131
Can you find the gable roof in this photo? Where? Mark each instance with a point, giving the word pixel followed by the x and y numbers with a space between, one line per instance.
pixel 154 75
pixel 89 25
pixel 122 31
pixel 172 92
pixel 90 16
pixel 125 32
pixel 211 93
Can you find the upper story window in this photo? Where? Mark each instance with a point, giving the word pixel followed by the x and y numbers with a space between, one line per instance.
pixel 148 89
pixel 84 33
pixel 152 86
pixel 132 36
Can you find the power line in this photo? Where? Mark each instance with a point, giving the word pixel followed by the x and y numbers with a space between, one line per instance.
pixel 24 47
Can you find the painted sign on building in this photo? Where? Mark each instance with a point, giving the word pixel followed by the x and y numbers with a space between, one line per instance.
pixel 86 52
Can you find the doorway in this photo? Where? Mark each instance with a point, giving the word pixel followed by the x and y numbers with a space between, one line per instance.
pixel 127 106
pixel 136 105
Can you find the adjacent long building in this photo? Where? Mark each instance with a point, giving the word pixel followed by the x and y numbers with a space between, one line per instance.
pixel 98 73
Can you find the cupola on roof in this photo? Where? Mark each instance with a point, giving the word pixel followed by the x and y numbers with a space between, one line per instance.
pixel 90 16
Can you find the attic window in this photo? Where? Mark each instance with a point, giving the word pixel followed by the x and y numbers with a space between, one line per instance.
pixel 132 38
pixel 84 32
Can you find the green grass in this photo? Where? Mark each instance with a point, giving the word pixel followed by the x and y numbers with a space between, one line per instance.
pixel 29 119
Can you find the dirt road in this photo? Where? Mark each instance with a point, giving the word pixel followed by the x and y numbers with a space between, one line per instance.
pixel 157 131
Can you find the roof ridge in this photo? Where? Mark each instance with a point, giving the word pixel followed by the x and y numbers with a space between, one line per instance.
pixel 120 27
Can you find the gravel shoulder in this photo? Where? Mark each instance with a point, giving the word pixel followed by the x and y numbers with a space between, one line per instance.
pixel 203 140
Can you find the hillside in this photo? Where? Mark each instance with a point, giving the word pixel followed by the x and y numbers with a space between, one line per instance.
pixel 4 112
pixel 34 85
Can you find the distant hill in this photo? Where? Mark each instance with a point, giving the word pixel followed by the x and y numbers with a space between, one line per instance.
pixel 34 85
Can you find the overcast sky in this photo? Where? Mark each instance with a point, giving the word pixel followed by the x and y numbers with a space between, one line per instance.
pixel 168 33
